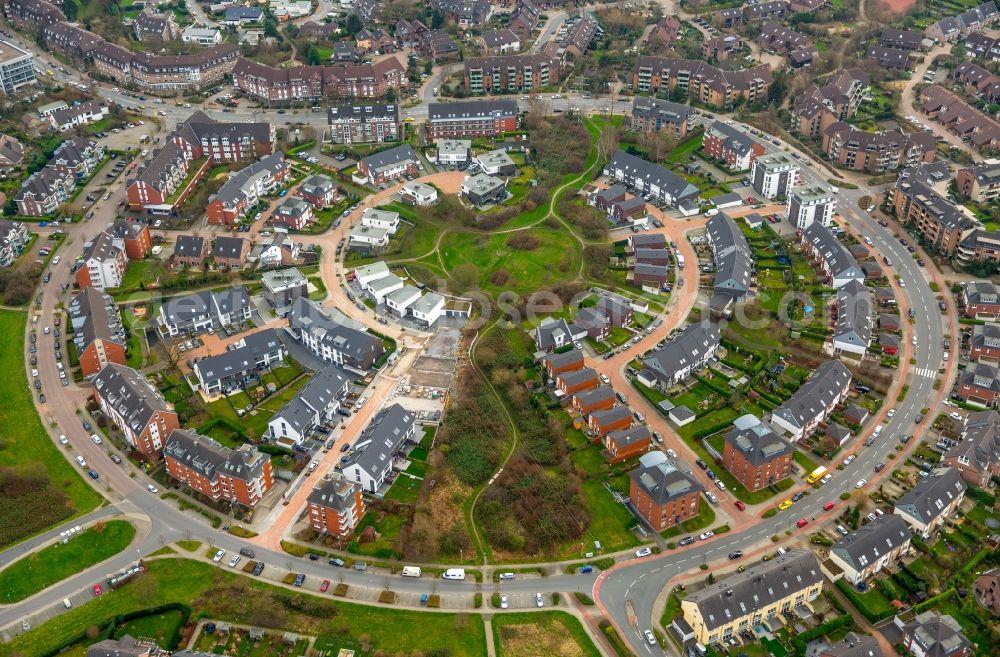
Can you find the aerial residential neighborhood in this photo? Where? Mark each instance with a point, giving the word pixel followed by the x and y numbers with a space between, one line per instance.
pixel 490 329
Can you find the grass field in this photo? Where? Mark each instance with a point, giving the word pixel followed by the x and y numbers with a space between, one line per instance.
pixel 46 567
pixel 230 597
pixel 55 491
pixel 546 633
pixel 160 627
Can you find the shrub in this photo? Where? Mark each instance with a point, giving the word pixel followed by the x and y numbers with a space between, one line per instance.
pixel 478 600
pixel 584 599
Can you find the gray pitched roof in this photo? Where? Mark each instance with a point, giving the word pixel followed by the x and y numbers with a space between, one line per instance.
pixel 938 635
pixel 306 315
pixel 241 359
pixel 664 482
pixel 95 316
pixel 929 498
pixel 758 444
pixel 313 399
pixel 872 541
pixel 652 174
pixel 815 394
pixel 334 491
pixel 544 334
pixel 128 391
pixel 228 247
pixel 383 436
pixel 838 259
pixel 854 314
pixel 733 258
pixel 735 140
pixel 598 394
pixel 389 157
pixel 854 645
pixel 189 246
pixel 691 345
pixel 663 110
pixel 210 459
pixel 756 588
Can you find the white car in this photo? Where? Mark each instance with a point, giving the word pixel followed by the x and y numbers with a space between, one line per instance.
pixel 152 489
pixel 34 373
pixel 706 535
pixel 868 241
pixel 46 329
pixel 538 600
pixel 235 560
pixel 720 485
pixel 892 412
pixel 97 439
pixel 604 379
pixel 861 483
pixel 643 552
pixel 849 460
pixel 503 602
pixel 218 556
pixel 63 440
pixel 671 453
pixel 650 637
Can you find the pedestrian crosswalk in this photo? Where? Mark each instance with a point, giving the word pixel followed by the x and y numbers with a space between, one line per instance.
pixel 925 372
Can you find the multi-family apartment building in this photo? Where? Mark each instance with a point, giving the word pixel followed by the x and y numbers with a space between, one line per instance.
pixel 33 14
pixel 980 182
pixel 650 180
pixel 368 123
pixel 388 165
pixel 513 73
pixel 981 300
pixel 689 351
pixel 985 343
pixel 877 152
pixel 135 408
pixel 333 341
pixel 282 86
pixel 17 68
pixel 243 475
pixel 200 311
pixel 929 504
pixel 44 191
pixel 103 265
pixel 916 202
pixel 245 188
pixel 314 405
pixel 838 99
pixel 774 175
pixel 377 448
pixel 738 603
pixel 240 365
pixel 157 184
pixel 655 115
pixel 98 333
pixel 661 494
pixel 702 82
pixel 813 402
pixel 319 190
pixel 335 505
pixel 806 205
pixel 734 147
pixel 132 237
pixel 755 455
pixel 152 25
pixel 471 118
pixel 13 239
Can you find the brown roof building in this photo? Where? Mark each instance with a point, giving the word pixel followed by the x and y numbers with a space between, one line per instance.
pixel 701 81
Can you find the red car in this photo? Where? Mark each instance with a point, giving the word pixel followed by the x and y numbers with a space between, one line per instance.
pixel 828 506
pixel 98 590
pixel 750 200
pixel 324 586
pixel 802 522
pixel 740 505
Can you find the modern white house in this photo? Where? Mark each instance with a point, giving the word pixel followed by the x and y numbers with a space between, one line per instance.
pixel 315 403
pixel 384 219
pixel 366 237
pixel 452 152
pixel 415 192
pixel 402 299
pixel 371 273
pixel 429 308
pixel 377 447
pixel 383 287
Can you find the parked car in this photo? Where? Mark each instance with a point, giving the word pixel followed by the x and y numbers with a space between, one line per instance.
pixel 643 552
pixel 802 523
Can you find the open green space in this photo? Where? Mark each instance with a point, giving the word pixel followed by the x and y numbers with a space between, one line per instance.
pixel 42 569
pixel 227 596
pixel 159 627
pixel 38 486
pixel 545 633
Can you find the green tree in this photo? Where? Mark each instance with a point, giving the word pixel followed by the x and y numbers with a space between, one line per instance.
pixel 70 8
pixel 312 55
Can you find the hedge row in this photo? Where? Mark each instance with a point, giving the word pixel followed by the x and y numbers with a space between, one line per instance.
pixel 800 641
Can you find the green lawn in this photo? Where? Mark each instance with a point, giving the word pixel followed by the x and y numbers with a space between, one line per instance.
pixel 38 486
pixel 227 596
pixel 545 633
pixel 610 521
pixel 803 460
pixel 255 422
pixel 160 627
pixel 46 567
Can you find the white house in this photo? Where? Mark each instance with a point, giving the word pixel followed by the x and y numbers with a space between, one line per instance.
pixel 315 403
pixel 384 219
pixel 376 448
pixel 454 151
pixel 371 273
pixel 415 192
pixel 429 308
pixel 367 236
pixel 81 114
pixel 202 36
pixel 401 300
pixel 383 287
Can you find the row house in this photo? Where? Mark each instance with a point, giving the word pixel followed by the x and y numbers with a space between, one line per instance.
pixel 601 398
pixel 558 363
pixel 202 311
pixel 982 46
pixel 471 118
pixel 513 73
pixel 245 188
pixel 838 99
pixel 135 407
pixel 985 343
pixel 501 42
pixel 438 46
pixel 650 180
pixel 626 444
pixel 103 265
pixel 190 251
pixel 734 268
pixel 929 504
pixel 977 455
pixel 835 261
pixel 370 123
pixel 889 58
pixel 916 202
pixel 724 610
pixel 752 12
pixel 313 406
pixel 375 40
pixel 241 364
pixel 662 495
pixel 242 476
pixel 335 506
pixel 600 423
pixel 98 333
pixel 580 33
pixel 979 384
pixel 702 82
pixel 852 331
pixel 689 351
pixel 230 253
pixel 813 402
pixel 878 544
pixel 377 448
pixel 981 300
pixel 954 27
pixel 877 152
pixel 581 380
pixel 316 83
pixel 959 118
pixel 977 80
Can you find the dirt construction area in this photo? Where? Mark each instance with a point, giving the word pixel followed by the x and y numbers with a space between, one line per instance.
pixel 436 366
pixel 899 7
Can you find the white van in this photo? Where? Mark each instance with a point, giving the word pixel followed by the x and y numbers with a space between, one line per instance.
pixel 67 603
pixel 454 573
pixel 411 571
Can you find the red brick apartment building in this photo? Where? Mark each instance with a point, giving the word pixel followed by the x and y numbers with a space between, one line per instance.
pixel 663 495
pixel 135 407
pixel 702 82
pixel 757 457
pixel 471 118
pixel 97 330
pixel 134 237
pixel 981 300
pixel 241 475
pixel 336 506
